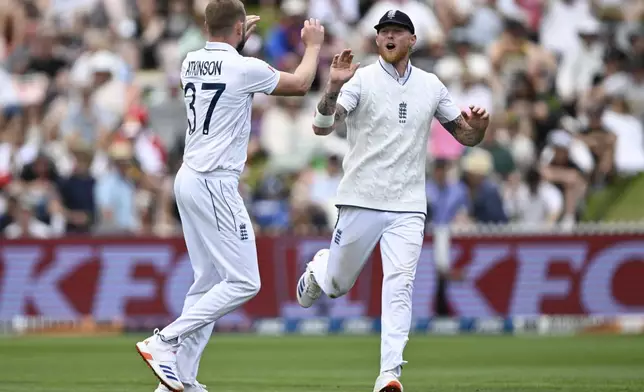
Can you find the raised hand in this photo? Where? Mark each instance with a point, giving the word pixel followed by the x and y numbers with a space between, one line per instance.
pixel 479 119
pixel 251 24
pixel 312 33
pixel 342 68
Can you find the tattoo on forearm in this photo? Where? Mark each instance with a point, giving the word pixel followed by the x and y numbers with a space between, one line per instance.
pixel 463 132
pixel 327 103
pixel 340 114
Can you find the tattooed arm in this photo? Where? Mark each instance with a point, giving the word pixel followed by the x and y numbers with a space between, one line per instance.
pixel 342 82
pixel 327 106
pixel 469 129
pixel 463 132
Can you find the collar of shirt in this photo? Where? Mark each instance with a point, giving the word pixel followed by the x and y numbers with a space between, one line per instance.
pixel 391 70
pixel 219 47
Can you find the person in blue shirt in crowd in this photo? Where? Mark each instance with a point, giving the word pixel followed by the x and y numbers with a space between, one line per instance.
pixel 486 204
pixel 447 204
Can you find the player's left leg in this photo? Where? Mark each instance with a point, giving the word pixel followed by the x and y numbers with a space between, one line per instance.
pixel 205 278
pixel 400 246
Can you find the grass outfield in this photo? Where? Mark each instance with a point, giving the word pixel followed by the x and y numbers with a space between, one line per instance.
pixel 238 363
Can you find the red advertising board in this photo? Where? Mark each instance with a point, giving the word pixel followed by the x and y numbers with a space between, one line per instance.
pixel 139 279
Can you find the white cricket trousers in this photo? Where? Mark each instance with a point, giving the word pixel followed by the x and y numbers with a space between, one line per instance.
pixel 221 245
pixel 356 234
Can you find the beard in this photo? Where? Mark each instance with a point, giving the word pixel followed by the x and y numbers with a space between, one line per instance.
pixel 393 57
pixel 240 45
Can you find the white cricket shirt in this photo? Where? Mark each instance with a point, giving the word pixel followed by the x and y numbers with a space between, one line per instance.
pixel 218 86
pixel 387 129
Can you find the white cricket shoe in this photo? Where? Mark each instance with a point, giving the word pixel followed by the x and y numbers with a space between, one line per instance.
pixel 161 357
pixel 387 382
pixel 308 290
pixel 187 388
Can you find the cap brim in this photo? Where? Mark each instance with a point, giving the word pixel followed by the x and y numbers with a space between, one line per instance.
pixel 392 23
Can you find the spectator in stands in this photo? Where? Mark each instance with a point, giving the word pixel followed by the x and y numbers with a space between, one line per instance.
pixel 486 205
pixel 286 134
pixel 14 18
pixel 115 193
pixel 514 53
pixel 283 45
pixel 149 29
pixel 109 92
pixel 270 208
pixel 447 199
pixel 562 165
pixel 579 66
pixel 465 72
pixel 485 23
pixel 601 143
pixel 502 159
pixel 40 185
pixel 337 16
pixel 629 147
pixel 148 149
pixel 86 121
pixel 635 91
pixel 559 25
pixel 24 224
pixel 533 204
pixel 77 192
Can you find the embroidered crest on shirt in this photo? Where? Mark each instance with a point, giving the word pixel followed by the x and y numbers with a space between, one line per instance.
pixel 243 232
pixel 402 113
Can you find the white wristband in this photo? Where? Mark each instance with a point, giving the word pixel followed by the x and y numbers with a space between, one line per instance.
pixel 322 121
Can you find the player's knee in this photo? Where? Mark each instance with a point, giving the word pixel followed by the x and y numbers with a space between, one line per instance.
pixel 253 286
pixel 246 290
pixel 339 287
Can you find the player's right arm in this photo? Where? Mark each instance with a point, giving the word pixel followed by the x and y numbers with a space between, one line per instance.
pixel 331 114
pixel 300 81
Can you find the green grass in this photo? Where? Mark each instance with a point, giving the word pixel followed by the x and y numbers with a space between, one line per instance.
pixel 620 201
pixel 314 364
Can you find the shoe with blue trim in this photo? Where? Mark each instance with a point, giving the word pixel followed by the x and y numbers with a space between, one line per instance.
pixel 186 388
pixel 161 357
pixel 308 290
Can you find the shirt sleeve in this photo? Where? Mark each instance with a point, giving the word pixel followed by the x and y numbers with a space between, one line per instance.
pixel 350 94
pixel 260 77
pixel 446 109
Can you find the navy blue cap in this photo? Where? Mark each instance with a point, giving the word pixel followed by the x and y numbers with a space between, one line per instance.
pixel 395 17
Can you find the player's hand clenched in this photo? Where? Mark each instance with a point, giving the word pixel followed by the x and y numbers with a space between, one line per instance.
pixel 312 33
pixel 342 67
pixel 479 118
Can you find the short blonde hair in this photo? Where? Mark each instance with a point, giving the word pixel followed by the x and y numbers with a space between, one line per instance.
pixel 221 16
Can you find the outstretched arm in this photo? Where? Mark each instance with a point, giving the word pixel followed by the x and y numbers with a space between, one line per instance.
pixel 469 130
pixel 299 82
pixel 330 115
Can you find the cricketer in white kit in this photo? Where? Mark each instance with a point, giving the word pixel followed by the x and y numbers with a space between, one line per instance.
pixel 218 85
pixel 387 108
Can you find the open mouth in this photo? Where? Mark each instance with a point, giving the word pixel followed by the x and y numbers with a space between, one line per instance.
pixel 390 46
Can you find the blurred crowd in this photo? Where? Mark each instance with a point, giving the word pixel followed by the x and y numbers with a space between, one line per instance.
pixel 92 117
